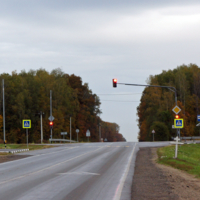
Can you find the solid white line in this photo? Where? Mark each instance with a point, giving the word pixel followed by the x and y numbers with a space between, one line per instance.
pixel 79 173
pixel 19 177
pixel 118 191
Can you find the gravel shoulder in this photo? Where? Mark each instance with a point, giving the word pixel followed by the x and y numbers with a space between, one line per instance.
pixel 153 181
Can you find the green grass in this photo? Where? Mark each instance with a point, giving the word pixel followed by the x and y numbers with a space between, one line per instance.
pixel 188 158
pixel 24 146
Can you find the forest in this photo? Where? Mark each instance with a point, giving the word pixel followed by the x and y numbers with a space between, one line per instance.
pixel 156 104
pixel 28 93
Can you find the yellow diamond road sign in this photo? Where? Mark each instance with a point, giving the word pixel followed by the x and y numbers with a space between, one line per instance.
pixel 176 109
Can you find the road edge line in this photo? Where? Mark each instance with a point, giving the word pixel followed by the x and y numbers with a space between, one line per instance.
pixel 118 191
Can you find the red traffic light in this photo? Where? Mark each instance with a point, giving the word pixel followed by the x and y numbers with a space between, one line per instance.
pixel 51 123
pixel 114 82
pixel 177 117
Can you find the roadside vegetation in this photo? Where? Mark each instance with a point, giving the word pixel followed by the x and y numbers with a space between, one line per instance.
pixel 24 146
pixel 27 94
pixel 156 104
pixel 188 158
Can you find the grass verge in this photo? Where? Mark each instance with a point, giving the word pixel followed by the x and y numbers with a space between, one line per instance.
pixel 188 158
pixel 24 146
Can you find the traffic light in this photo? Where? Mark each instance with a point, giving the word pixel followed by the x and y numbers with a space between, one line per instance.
pixel 51 125
pixel 177 116
pixel 114 82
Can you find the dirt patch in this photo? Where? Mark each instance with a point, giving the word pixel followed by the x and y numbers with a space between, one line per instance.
pixel 153 181
pixel 6 158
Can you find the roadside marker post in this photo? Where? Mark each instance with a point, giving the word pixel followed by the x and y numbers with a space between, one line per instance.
pixel 77 131
pixel 176 143
pixel 88 134
pixel 26 123
pixel 153 134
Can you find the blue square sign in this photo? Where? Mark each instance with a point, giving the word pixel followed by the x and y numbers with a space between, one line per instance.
pixel 178 123
pixel 198 118
pixel 26 123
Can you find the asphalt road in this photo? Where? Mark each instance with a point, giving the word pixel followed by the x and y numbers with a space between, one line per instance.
pixel 91 171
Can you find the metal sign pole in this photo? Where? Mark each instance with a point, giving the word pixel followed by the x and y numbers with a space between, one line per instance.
pixel 27 137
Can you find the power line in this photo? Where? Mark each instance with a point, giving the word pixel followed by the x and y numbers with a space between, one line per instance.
pixel 119 101
pixel 120 94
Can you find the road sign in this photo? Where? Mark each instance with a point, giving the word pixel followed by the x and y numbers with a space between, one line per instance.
pixel 178 123
pixel 153 131
pixel 174 127
pixel 77 130
pixel 198 118
pixel 51 118
pixel 26 123
pixel 63 133
pixel 176 110
pixel 87 133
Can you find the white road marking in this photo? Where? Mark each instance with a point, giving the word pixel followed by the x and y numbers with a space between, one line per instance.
pixel 118 191
pixel 19 177
pixel 79 173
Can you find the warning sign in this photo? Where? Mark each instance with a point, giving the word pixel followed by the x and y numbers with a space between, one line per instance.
pixel 178 123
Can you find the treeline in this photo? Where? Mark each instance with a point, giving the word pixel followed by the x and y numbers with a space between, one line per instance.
pixel 28 93
pixel 155 109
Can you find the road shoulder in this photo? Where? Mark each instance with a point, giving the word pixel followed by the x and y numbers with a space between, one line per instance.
pixel 186 186
pixel 153 181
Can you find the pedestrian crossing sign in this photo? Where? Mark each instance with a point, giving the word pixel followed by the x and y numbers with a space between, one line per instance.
pixel 178 123
pixel 26 123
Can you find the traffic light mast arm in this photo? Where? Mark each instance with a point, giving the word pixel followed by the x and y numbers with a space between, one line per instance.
pixel 169 87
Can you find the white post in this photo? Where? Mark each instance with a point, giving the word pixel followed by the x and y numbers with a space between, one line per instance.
pixel 176 148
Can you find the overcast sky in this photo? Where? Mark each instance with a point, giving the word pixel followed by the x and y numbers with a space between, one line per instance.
pixel 101 40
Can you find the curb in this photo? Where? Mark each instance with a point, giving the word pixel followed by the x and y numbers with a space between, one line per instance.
pixel 15 151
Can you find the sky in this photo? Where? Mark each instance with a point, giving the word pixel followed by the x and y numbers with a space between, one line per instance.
pixel 101 40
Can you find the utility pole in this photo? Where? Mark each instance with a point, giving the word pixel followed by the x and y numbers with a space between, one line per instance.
pixel 70 129
pixel 41 126
pixel 4 132
pixel 99 132
pixel 51 109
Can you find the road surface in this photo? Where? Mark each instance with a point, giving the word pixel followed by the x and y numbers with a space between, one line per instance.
pixel 90 171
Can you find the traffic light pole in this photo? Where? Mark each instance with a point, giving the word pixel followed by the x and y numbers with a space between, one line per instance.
pixel 173 89
pixel 4 132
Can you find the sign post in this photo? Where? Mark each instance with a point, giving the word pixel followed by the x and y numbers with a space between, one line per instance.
pixel 88 134
pixel 153 134
pixel 77 131
pixel 63 133
pixel 26 123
